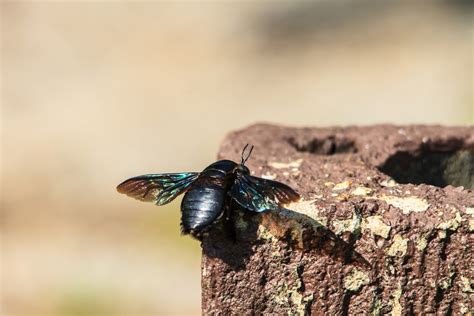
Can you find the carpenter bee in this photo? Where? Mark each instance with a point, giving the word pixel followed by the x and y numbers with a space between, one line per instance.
pixel 210 194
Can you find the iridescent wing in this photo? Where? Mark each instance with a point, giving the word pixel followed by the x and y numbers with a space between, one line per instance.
pixel 259 195
pixel 159 188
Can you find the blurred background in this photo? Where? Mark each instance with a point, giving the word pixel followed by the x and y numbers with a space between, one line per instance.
pixel 95 92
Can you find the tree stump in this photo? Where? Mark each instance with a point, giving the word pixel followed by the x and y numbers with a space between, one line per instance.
pixel 385 224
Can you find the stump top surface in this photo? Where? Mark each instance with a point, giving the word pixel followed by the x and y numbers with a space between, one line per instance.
pixel 333 165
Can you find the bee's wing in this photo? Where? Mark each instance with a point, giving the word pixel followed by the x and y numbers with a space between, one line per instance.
pixel 259 195
pixel 159 188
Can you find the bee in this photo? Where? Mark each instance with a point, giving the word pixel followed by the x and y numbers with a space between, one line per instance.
pixel 211 193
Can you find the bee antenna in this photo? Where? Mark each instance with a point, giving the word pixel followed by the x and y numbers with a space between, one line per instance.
pixel 244 160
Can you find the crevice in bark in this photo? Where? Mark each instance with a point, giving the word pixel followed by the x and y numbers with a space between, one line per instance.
pixel 346 302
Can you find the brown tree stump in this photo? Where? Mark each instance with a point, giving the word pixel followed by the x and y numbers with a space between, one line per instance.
pixel 385 224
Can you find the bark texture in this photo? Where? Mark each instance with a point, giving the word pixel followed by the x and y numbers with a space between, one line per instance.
pixel 385 224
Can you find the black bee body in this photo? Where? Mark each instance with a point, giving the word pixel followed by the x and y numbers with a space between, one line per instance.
pixel 204 202
pixel 210 194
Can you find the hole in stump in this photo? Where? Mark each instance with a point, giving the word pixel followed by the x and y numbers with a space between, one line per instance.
pixel 325 146
pixel 438 168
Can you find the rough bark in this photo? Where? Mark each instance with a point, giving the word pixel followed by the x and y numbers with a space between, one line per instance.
pixel 385 224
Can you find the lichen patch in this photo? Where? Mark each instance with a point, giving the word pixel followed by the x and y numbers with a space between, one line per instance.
pixel 286 165
pixel 470 211
pixel 264 233
pixel 390 183
pixel 376 306
pixel 361 191
pixel 446 282
pixel 290 296
pixel 344 225
pixel 398 247
pixel 421 243
pixel 355 280
pixel 376 226
pixel 396 306
pixel 352 225
pixel 451 224
pixel 307 207
pixel 406 204
pixel 466 285
pixel 342 185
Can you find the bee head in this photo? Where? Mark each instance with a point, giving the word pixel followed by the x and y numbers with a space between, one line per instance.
pixel 241 167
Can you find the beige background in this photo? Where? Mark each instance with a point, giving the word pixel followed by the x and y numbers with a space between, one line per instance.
pixel 94 92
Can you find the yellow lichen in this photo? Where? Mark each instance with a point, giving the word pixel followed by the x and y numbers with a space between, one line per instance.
pixel 300 301
pixel 470 211
pixel 398 247
pixel 446 283
pixel 421 243
pixel 406 204
pixel 376 306
pixel 355 280
pixel 290 296
pixel 466 285
pixel 343 225
pixel 451 224
pixel 286 165
pixel 264 233
pixel 388 183
pixel 396 306
pixel 307 207
pixel 376 226
pixel 361 191
pixel 342 186
pixel 347 225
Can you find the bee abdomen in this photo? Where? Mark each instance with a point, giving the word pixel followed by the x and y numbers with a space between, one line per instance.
pixel 201 206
